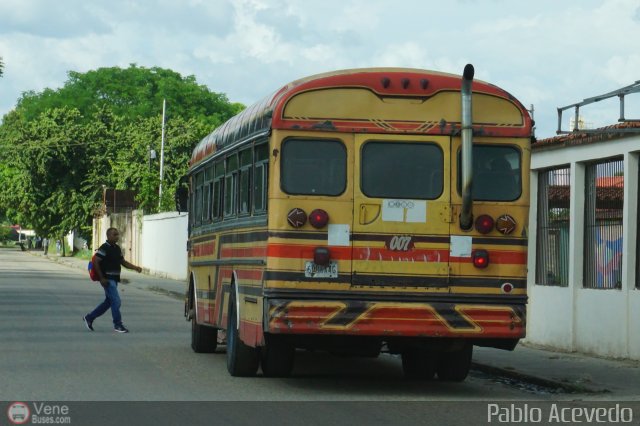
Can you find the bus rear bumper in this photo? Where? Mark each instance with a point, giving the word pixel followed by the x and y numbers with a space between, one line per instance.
pixel 382 318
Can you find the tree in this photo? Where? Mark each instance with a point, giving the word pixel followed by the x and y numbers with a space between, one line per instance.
pixel 132 93
pixel 58 148
pixel 1 66
pixel 45 176
pixel 132 171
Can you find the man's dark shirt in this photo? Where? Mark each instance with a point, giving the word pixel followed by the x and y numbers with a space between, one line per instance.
pixel 111 259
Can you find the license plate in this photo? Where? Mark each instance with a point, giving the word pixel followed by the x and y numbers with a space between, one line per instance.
pixel 311 270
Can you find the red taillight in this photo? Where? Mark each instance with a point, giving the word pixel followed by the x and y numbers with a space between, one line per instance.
pixel 321 256
pixel 297 217
pixel 484 224
pixel 480 258
pixel 319 218
pixel 506 287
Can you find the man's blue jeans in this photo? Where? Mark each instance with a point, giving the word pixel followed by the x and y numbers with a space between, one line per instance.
pixel 112 301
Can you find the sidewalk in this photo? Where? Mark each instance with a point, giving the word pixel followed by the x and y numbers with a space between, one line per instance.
pixel 571 372
pixel 173 288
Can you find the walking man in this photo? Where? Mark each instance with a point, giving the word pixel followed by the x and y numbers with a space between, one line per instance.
pixel 108 261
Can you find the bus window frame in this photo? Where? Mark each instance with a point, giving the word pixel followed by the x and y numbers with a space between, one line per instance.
pixel 263 164
pixel 309 138
pixel 403 142
pixel 198 204
pixel 231 177
pixel 245 168
pixel 218 178
pixel 207 188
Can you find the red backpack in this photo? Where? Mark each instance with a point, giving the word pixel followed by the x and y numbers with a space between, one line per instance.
pixel 93 274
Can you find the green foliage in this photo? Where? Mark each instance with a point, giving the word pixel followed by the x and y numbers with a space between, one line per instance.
pixel 59 148
pixel 5 234
pixel 132 93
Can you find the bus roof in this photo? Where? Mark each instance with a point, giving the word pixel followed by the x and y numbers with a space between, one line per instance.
pixel 389 85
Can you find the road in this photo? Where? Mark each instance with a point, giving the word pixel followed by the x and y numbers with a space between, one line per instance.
pixel 46 352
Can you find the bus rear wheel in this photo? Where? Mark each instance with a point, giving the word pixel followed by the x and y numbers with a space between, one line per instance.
pixel 242 360
pixel 419 364
pixel 203 339
pixel 277 356
pixel 454 366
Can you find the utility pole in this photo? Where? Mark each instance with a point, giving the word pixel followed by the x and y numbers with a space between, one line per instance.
pixel 164 105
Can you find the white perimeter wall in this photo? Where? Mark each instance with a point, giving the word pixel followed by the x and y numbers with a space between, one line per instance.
pixel 573 318
pixel 164 244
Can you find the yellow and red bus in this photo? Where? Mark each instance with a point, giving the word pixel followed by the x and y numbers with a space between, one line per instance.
pixel 358 211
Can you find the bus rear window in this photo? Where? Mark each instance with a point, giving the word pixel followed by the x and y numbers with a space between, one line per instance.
pixel 313 167
pixel 496 173
pixel 402 170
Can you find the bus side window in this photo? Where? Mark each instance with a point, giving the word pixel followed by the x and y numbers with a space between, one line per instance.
pixel 206 194
pixel 198 202
pixel 260 179
pixel 244 196
pixel 218 179
pixel 231 186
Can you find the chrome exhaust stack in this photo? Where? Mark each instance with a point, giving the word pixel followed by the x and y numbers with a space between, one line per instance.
pixel 466 215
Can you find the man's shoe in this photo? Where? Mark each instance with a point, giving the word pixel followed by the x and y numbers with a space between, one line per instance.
pixel 88 323
pixel 121 329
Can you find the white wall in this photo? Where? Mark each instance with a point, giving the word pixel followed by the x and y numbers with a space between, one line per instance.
pixel 164 244
pixel 596 321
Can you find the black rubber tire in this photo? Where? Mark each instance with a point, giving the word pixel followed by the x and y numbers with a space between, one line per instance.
pixel 242 360
pixel 276 357
pixel 204 339
pixel 419 364
pixel 454 366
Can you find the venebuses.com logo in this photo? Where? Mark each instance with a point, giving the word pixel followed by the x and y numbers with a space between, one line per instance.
pixel 18 413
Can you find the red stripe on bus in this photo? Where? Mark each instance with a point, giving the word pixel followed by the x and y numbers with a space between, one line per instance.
pixel 204 249
pixel 288 251
pixel 382 254
pixel 236 252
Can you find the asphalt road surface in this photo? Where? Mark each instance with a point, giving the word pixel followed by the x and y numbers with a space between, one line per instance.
pixel 47 354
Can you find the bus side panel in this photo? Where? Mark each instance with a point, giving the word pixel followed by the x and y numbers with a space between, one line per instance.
pixel 245 251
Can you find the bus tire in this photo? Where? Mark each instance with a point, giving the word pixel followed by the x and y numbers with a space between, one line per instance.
pixel 204 339
pixel 454 366
pixel 242 360
pixel 419 364
pixel 276 357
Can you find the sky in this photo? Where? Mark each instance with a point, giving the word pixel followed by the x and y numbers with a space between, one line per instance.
pixel 547 53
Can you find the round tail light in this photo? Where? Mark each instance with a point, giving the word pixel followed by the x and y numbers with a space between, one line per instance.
pixel 506 287
pixel 484 224
pixel 480 258
pixel 319 218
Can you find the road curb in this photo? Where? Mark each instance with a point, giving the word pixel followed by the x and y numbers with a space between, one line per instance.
pixel 540 381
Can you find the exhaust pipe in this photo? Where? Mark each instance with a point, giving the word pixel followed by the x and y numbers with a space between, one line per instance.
pixel 466 215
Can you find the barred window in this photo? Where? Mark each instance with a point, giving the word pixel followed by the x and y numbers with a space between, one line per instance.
pixel 604 198
pixel 552 246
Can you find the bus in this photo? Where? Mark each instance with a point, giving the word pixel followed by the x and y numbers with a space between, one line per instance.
pixel 358 212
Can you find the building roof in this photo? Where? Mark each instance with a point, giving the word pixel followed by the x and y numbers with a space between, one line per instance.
pixel 583 138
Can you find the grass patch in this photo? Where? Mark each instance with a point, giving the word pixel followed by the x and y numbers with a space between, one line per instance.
pixel 83 254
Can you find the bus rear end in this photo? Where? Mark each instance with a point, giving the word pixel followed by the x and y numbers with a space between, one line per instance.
pixel 366 248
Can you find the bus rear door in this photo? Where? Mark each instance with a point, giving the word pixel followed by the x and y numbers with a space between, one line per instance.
pixel 401 213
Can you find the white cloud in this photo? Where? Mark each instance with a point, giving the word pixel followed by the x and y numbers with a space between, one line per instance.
pixel 547 53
